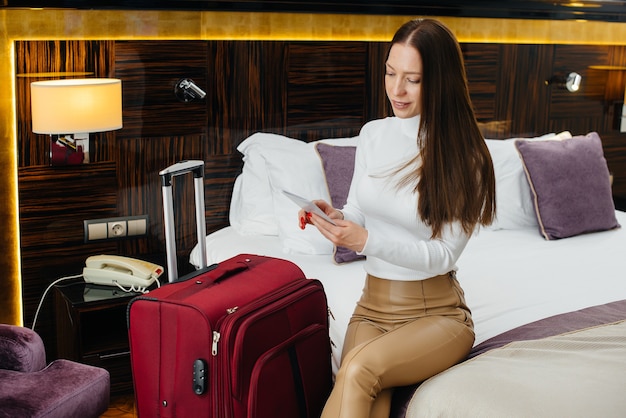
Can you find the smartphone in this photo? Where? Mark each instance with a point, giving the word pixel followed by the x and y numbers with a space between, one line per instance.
pixel 308 206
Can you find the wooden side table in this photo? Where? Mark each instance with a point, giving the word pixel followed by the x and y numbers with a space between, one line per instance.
pixel 92 329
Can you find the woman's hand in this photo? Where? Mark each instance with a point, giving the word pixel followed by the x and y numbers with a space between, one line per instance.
pixel 332 213
pixel 344 233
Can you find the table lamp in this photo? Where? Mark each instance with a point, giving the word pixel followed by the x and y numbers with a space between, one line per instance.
pixel 68 110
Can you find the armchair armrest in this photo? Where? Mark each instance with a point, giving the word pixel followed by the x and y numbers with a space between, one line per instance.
pixel 21 349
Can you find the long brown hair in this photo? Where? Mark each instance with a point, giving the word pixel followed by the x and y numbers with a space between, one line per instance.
pixel 454 175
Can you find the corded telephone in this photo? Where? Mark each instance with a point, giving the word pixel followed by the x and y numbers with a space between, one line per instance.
pixel 115 270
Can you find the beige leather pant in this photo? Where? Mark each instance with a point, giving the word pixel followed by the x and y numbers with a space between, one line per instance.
pixel 401 333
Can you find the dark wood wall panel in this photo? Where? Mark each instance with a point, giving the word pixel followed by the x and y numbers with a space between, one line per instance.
pixel 307 90
pixel 317 75
pixel 142 193
pixel 587 101
pixel 48 194
pixel 523 70
pixel 247 91
pixel 616 79
pixel 140 186
pixel 53 204
pixel 481 66
pixel 376 103
pixel 149 75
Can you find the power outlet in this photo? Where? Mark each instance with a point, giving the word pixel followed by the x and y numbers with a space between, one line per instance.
pixel 115 228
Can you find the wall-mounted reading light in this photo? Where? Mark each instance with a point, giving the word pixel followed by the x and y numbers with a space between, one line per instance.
pixel 571 82
pixel 68 110
pixel 186 90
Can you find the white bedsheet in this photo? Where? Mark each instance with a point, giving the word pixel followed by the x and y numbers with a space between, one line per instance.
pixel 576 375
pixel 510 277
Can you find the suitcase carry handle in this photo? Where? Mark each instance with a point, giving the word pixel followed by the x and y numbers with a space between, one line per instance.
pixel 197 168
pixel 232 270
pixel 219 275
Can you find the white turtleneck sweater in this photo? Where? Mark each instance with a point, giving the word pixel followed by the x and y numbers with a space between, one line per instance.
pixel 398 246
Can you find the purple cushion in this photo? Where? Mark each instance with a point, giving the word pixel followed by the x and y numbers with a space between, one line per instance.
pixel 21 349
pixel 29 388
pixel 62 389
pixel 338 164
pixel 570 184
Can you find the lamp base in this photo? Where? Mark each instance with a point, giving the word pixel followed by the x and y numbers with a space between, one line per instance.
pixel 66 150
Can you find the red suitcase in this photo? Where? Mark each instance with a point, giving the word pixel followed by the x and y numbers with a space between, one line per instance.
pixel 245 338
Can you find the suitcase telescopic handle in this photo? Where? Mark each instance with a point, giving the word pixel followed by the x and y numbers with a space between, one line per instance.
pixel 183 167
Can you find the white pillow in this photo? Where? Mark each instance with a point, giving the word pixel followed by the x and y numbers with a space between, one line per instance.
pixel 247 217
pixel 273 163
pixel 251 206
pixel 300 173
pixel 514 203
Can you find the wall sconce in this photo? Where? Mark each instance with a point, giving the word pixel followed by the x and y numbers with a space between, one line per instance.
pixel 68 110
pixel 186 90
pixel 571 82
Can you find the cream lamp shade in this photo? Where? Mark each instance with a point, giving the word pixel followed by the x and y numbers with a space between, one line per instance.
pixel 76 105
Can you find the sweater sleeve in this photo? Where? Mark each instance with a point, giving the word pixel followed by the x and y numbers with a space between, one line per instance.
pixel 425 255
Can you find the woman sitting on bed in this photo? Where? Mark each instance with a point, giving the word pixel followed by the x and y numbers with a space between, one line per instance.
pixel 423 181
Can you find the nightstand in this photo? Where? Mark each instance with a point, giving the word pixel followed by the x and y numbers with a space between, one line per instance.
pixel 92 329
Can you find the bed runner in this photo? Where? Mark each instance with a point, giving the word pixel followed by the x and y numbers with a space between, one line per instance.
pixel 558 324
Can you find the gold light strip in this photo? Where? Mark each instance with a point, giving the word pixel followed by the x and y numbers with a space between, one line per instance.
pixel 185 25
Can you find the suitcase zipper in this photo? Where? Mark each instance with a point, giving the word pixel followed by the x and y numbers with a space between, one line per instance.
pixel 216 339
pixel 216 334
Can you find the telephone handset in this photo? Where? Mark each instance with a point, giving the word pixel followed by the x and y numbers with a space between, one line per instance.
pixel 115 270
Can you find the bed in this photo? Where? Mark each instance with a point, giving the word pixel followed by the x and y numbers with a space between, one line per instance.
pixel 545 282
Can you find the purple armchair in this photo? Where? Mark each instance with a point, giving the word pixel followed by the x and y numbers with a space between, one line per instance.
pixel 30 388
